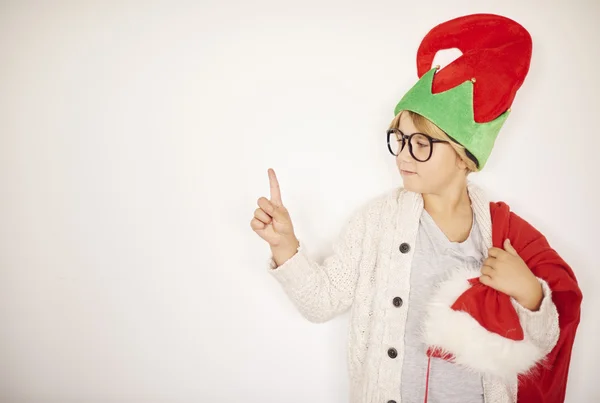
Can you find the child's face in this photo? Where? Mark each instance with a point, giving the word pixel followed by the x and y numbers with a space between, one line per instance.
pixel 434 175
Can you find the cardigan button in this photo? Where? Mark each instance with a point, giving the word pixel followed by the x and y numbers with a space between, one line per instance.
pixel 404 247
pixel 397 301
pixel 392 353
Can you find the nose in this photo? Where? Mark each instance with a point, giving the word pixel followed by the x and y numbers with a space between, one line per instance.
pixel 404 154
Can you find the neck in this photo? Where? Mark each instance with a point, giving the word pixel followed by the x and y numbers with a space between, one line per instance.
pixel 449 201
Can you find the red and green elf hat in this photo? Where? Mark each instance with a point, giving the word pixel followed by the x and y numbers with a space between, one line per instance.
pixel 470 98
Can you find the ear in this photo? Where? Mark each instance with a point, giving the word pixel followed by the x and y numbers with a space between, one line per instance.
pixel 461 164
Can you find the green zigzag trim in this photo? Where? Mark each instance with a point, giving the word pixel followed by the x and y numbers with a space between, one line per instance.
pixel 452 111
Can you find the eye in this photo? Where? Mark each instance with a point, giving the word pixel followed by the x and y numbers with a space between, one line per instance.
pixel 421 141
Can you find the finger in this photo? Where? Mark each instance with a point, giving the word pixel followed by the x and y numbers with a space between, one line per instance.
pixel 278 213
pixel 262 216
pixel 509 248
pixel 275 191
pixel 490 262
pixel 486 280
pixel 266 205
pixel 496 252
pixel 488 271
pixel 257 225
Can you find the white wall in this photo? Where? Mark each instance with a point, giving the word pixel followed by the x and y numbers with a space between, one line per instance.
pixel 135 140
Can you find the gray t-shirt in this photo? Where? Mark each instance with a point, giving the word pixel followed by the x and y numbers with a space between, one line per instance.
pixel 435 256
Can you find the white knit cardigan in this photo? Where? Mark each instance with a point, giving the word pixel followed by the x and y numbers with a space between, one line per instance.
pixel 368 269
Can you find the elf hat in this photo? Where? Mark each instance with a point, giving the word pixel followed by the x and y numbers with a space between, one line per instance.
pixel 470 98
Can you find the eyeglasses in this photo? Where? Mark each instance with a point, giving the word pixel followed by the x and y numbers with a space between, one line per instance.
pixel 420 145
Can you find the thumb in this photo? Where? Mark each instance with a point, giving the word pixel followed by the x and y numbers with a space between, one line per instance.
pixel 509 248
pixel 279 212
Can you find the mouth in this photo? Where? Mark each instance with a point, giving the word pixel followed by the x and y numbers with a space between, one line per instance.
pixel 407 173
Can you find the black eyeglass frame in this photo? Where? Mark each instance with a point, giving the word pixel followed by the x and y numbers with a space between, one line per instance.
pixel 408 138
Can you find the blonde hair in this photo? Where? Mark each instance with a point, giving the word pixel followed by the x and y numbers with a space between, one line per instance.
pixel 426 126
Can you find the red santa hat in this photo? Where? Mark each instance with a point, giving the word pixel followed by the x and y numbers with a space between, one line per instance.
pixel 474 325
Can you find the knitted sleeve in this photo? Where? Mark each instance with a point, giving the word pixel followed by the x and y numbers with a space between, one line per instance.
pixel 322 290
pixel 541 326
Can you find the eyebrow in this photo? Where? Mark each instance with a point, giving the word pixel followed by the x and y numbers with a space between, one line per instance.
pixel 406 134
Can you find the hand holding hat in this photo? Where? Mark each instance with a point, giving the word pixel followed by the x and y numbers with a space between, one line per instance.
pixel 505 271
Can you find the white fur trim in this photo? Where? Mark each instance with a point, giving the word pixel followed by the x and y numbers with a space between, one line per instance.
pixel 458 333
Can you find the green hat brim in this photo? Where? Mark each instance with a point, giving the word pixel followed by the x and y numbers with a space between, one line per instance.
pixel 452 111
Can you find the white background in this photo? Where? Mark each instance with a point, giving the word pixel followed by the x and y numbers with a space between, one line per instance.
pixel 135 139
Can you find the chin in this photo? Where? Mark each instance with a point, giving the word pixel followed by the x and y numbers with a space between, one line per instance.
pixel 411 185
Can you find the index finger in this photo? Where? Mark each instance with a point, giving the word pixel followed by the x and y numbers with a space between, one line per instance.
pixel 275 191
pixel 495 252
